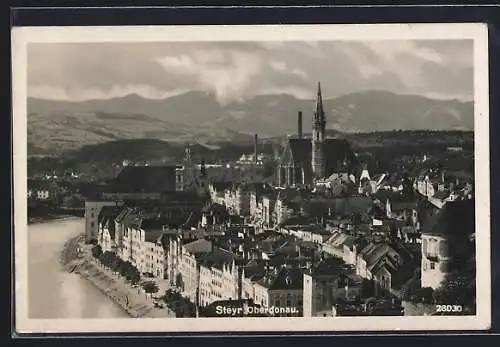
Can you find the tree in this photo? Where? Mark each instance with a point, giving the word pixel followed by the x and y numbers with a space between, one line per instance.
pixel 424 295
pixel 150 287
pixel 179 283
pixel 457 288
pixel 97 251
pixel 107 258
pixel 130 272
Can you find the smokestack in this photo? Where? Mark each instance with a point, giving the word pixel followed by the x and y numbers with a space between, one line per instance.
pixel 256 142
pixel 300 124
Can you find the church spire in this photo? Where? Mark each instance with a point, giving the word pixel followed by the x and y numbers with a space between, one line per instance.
pixel 319 113
pixel 318 137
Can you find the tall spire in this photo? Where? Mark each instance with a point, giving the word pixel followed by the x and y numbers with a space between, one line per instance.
pixel 319 113
pixel 318 137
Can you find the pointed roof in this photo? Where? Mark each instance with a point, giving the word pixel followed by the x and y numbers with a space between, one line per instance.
pixel 319 113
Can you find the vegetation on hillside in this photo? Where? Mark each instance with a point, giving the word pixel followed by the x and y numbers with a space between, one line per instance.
pixel 380 151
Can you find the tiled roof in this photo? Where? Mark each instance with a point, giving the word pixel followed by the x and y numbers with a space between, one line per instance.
pixel 147 179
pixel 192 247
pixel 217 258
pixel 124 212
pixel 329 266
pixel 284 279
pixel 132 219
pixel 441 195
pixel 153 235
pixel 109 213
pixel 152 223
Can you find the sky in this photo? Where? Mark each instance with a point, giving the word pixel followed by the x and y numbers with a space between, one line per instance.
pixel 239 70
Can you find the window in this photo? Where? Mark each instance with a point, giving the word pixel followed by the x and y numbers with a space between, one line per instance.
pixel 424 246
pixel 433 265
pixel 443 249
pixel 432 248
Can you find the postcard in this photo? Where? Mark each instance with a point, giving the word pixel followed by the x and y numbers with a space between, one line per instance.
pixel 286 178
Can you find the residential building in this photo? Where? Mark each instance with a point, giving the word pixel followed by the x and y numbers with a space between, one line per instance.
pixel 219 277
pixel 325 284
pixel 43 190
pixel 280 287
pixel 160 259
pixel 446 241
pixel 217 191
pixel 92 210
pixel 189 267
pixel 106 227
pixel 342 246
pixel 146 237
pixel 390 267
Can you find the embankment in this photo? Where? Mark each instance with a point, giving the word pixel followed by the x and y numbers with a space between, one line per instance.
pixel 132 301
pixel 50 218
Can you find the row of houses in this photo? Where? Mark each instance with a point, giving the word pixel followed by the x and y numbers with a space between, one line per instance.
pixel 441 187
pixel 195 262
pixel 371 258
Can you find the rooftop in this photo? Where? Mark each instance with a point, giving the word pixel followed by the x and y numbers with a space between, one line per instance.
pixel 144 179
pixel 455 219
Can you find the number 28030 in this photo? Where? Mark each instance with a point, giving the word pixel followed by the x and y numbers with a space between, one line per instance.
pixel 449 308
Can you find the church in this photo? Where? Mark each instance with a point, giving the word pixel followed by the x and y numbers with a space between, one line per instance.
pixel 305 160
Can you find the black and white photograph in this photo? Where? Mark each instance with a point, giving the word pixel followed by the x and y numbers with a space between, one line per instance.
pixel 251 178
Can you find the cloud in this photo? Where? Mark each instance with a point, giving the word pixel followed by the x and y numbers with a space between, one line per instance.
pixel 226 73
pixel 117 91
pixel 238 70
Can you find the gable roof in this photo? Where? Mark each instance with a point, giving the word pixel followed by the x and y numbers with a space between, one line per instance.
pixel 109 213
pixel 153 235
pixel 147 179
pixel 283 279
pixel 217 258
pixel 198 246
pixel 132 219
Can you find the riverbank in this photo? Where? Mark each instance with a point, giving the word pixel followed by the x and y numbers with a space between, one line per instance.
pixel 76 258
pixel 51 218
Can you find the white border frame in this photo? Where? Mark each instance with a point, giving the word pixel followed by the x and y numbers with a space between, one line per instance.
pixel 21 36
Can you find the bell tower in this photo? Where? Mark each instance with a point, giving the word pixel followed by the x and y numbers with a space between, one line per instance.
pixel 318 137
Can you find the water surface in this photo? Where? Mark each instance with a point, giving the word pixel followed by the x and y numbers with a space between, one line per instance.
pixel 54 293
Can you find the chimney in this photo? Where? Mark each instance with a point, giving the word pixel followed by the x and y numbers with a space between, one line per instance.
pixel 256 142
pixel 300 124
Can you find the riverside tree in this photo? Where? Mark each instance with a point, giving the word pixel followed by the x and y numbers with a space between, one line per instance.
pixel 150 287
pixel 97 251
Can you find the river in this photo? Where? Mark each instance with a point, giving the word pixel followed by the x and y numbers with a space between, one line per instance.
pixel 54 293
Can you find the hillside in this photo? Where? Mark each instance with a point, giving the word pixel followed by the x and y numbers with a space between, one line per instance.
pixel 197 116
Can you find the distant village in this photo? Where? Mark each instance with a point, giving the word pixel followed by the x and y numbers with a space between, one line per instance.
pixel 325 237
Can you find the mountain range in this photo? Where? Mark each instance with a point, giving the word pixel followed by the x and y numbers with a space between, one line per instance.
pixel 198 116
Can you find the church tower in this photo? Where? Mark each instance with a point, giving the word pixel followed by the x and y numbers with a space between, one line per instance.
pixel 318 137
